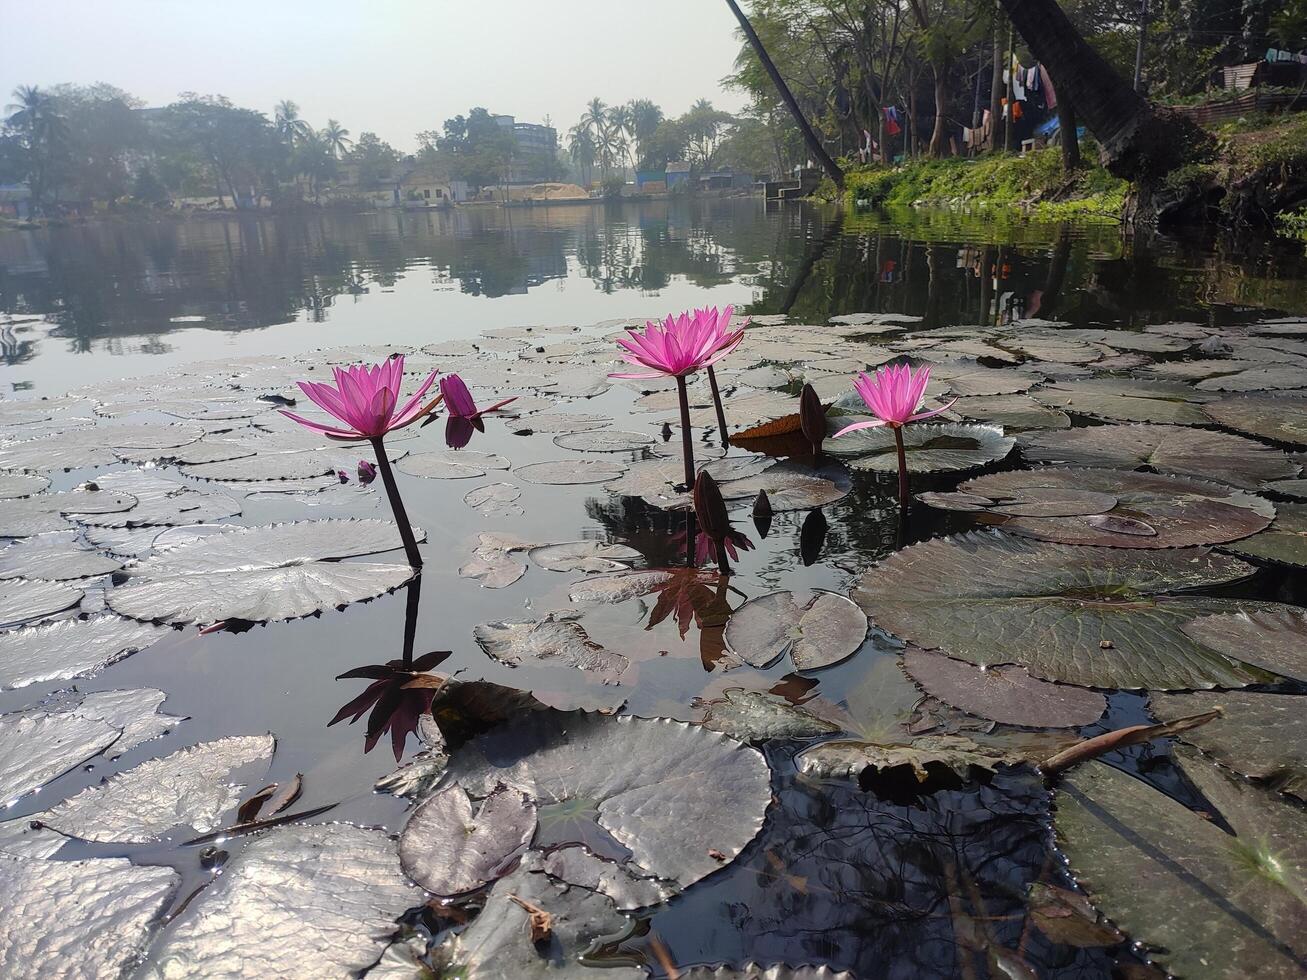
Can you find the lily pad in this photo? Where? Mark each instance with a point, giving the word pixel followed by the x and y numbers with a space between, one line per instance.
pixel 929 447
pixel 1013 413
pixel 1182 885
pixel 1006 694
pixel 1284 542
pixel 260 574
pixel 21 485
pixel 1278 418
pixel 37 746
pixel 160 502
pixel 24 602
pixel 1163 448
pixel 604 441
pixel 495 500
pixel 633 771
pixel 1123 400
pixel 189 788
pixel 55 557
pixel 1273 638
pixel 85 918
pixel 578 865
pixel 1099 617
pixel 848 758
pixel 1261 735
pixel 317 900
pixel 452 845
pixel 558 423
pixel 584 556
pixel 43 512
pixel 571 472
pixel 756 716
pixel 451 465
pixel 1267 377
pixel 93 446
pixel 816 629
pixel 548 640
pixel 70 648
pixel 1152 511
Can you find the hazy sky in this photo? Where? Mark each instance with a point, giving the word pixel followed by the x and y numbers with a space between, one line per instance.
pixel 391 66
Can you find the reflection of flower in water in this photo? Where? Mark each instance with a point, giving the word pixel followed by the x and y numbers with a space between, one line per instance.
pixel 399 695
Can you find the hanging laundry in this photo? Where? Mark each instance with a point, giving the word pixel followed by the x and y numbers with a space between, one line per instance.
pixel 1032 79
pixel 1016 110
pixel 887 270
pixel 1018 87
pixel 1050 94
pixel 1272 55
pixel 892 126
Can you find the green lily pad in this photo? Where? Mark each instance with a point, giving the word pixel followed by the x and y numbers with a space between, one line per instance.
pixel 1152 511
pixel 929 447
pixel 551 640
pixel 1174 449
pixel 1280 418
pixel 452 845
pixel 757 716
pixel 1261 735
pixel 1284 542
pixel 1014 413
pixel 1205 902
pixel 55 557
pixel 816 629
pixel 1100 617
pixel 1123 400
pixel 1272 638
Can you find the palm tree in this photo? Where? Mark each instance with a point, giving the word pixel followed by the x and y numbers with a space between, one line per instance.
pixel 645 119
pixel 622 123
pixel 34 114
pixel 336 137
pixel 287 119
pixel 581 149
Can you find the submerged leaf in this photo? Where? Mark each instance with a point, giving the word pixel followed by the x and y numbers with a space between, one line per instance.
pixel 549 640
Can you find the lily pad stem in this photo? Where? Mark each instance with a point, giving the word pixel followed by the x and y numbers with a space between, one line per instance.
pixel 687 440
pixel 904 497
pixel 396 504
pixel 717 403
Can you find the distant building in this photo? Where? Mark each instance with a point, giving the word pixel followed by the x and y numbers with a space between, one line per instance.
pixel 678 172
pixel 650 181
pixel 421 188
pixel 15 201
pixel 536 150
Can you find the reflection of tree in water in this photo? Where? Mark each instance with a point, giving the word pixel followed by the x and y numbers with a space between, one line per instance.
pixel 930 886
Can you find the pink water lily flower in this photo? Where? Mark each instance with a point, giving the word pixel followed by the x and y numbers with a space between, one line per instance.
pixel 893 395
pixel 680 345
pixel 366 401
pixel 459 401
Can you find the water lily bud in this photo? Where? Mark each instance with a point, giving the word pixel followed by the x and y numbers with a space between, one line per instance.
pixel 762 505
pixel 710 508
pixel 812 417
pixel 367 472
pixel 342 476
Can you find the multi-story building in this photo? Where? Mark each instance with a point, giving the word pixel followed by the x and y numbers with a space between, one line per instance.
pixel 535 158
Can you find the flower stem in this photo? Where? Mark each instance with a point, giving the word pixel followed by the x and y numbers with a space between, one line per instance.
pixel 717 403
pixel 396 504
pixel 904 496
pixel 723 566
pixel 687 441
pixel 412 601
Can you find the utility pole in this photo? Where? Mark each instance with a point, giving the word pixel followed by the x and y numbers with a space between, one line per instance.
pixel 1139 47
pixel 1007 116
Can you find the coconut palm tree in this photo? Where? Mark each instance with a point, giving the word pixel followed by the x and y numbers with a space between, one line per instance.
pixel 581 150
pixel 287 119
pixel 34 114
pixel 645 118
pixel 336 137
pixel 622 122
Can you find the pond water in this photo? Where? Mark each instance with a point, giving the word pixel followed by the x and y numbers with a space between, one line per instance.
pixel 881 822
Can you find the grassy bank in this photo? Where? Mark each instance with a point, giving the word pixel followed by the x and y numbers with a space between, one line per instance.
pixel 1033 184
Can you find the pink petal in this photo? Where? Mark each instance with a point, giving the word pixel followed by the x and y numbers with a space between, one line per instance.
pixel 935 411
pixel 873 424
pixel 318 426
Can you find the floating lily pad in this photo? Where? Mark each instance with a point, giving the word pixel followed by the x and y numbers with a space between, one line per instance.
pixel 848 758
pixel 189 788
pixel 160 502
pixel 451 465
pixel 1206 903
pixel 1152 511
pixel 1099 617
pixel 260 574
pixel 558 423
pixel 1267 377
pixel 1123 400
pixel 816 629
pixel 135 712
pixel 604 441
pixel 43 512
pixel 265 466
pixel 85 918
pixel 756 716
pixel 93 446
pixel 1260 736
pixel 975 380
pixel 1284 542
pixel 1280 418
pixel 578 865
pixel 54 557
pixel 70 648
pixel 24 602
pixel 584 556
pixel 452 845
pixel 1164 448
pixel 929 447
pixel 38 746
pixel 495 500
pixel 546 641
pixel 1013 413
pixel 1273 638
pixel 1026 502
pixel 498 942
pixel 493 571
pixel 316 901
pixel 1006 694
pixel 634 771
pixel 571 472
pixel 657 480
pixel 21 485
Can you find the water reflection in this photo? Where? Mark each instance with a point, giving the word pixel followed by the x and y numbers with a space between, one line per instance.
pixel 104 281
